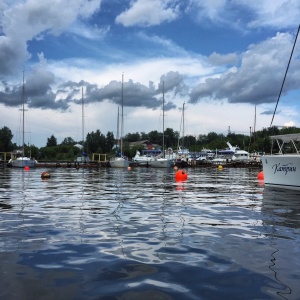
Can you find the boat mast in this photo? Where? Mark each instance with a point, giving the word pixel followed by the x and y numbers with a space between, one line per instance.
pixel 121 140
pixel 163 119
pixel 183 125
pixel 82 115
pixel 23 116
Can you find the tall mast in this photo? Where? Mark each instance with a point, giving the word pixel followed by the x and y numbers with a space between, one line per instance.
pixel 82 115
pixel 163 119
pixel 183 125
pixel 121 141
pixel 23 116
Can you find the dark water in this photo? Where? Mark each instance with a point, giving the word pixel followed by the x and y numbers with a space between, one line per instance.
pixel 118 234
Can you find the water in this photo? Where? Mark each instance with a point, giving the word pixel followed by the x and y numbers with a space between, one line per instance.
pixel 118 234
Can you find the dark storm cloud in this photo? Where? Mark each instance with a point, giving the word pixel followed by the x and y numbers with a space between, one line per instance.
pixel 134 94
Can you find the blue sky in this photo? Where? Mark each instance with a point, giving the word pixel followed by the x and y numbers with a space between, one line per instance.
pixel 222 58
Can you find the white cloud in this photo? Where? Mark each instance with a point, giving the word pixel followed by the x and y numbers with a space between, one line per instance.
pixel 259 77
pixel 276 13
pixel 148 13
pixel 24 21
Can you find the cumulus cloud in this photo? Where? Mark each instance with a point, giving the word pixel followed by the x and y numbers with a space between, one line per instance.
pixel 24 21
pixel 148 13
pixel 246 14
pixel 217 59
pixel 134 94
pixel 259 77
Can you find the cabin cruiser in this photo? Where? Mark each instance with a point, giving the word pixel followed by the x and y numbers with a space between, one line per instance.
pixel 281 169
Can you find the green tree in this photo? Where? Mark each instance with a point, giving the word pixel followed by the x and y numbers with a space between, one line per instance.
pixel 51 141
pixel 110 141
pixel 155 137
pixel 144 136
pixel 5 139
pixel 132 137
pixel 95 142
pixel 170 138
pixel 68 141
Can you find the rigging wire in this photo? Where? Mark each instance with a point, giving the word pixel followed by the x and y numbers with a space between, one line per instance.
pixel 285 75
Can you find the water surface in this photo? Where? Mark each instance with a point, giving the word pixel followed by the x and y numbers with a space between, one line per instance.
pixel 119 234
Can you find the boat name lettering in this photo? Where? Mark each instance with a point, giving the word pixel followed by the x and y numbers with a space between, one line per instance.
pixel 284 168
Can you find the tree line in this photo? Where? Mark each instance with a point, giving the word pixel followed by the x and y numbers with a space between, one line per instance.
pixel 97 142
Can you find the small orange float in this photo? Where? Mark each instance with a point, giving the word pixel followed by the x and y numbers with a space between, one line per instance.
pixel 261 176
pixel 181 175
pixel 26 168
pixel 45 175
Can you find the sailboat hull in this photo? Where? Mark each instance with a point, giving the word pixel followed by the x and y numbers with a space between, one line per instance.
pixel 119 162
pixel 161 163
pixel 22 162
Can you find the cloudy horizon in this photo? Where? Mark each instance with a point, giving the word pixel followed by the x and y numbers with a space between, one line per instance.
pixel 223 59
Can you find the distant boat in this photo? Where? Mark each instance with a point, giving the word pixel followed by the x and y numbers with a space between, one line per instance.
pixel 283 170
pixel 120 161
pixel 145 157
pixel 22 161
pixel 183 154
pixel 232 153
pixel 238 154
pixel 162 162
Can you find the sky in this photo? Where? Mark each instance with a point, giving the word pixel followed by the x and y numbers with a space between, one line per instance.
pixel 225 59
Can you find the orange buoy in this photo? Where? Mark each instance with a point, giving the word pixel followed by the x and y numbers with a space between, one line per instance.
pixel 181 175
pixel 26 168
pixel 261 176
pixel 45 175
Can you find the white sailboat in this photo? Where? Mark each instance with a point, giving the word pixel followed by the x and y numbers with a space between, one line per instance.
pixel 183 154
pixel 120 161
pixel 22 161
pixel 162 162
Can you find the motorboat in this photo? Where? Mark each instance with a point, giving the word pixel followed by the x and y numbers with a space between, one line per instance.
pixel 145 156
pixel 282 170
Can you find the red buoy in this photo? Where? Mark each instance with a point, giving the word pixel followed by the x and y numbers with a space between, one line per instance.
pixel 181 175
pixel 260 175
pixel 26 168
pixel 45 175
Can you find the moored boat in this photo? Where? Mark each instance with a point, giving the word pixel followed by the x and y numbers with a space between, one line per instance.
pixel 120 161
pixel 19 160
pixel 283 170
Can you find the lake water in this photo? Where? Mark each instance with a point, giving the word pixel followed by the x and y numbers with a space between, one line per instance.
pixel 119 234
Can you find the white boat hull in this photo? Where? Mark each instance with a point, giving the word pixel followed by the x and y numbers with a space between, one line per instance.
pixel 161 163
pixel 282 171
pixel 22 162
pixel 119 162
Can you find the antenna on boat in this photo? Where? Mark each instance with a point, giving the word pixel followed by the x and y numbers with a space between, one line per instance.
pixel 285 75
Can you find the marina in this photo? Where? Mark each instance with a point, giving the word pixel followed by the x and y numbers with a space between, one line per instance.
pixel 111 233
